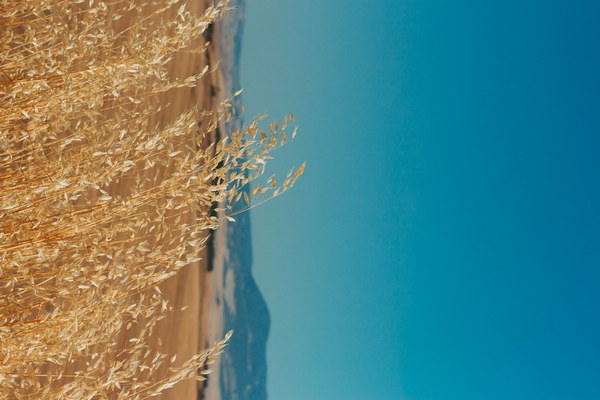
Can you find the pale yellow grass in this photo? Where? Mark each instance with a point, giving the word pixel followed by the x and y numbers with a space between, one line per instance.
pixel 105 192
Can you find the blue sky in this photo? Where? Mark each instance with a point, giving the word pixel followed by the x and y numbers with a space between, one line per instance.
pixel 443 242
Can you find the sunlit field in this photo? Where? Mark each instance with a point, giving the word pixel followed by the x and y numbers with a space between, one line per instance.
pixel 114 169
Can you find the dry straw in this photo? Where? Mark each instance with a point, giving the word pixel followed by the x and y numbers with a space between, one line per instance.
pixel 98 204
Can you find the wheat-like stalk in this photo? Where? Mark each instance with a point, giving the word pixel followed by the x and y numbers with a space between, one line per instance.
pixel 99 202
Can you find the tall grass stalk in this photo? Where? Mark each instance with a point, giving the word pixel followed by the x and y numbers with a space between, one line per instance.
pixel 99 203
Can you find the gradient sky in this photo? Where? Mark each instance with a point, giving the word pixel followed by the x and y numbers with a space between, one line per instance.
pixel 444 242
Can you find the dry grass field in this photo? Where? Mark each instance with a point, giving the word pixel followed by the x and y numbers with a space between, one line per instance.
pixel 109 168
pixel 184 332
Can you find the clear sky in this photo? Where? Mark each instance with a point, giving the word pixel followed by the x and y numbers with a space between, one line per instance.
pixel 444 242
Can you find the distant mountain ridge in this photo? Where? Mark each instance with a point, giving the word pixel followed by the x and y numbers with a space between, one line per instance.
pixel 241 373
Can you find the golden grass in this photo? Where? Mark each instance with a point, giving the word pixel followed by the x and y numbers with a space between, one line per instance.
pixel 81 257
